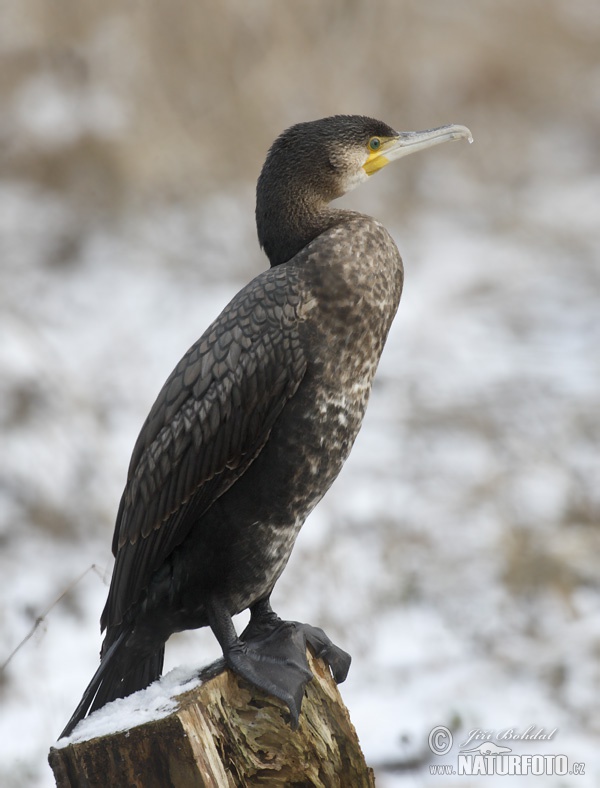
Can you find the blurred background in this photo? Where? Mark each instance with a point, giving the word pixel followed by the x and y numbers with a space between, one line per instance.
pixel 456 556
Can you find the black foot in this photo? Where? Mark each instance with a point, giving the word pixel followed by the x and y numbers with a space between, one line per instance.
pixel 271 653
pixel 270 638
pixel 276 663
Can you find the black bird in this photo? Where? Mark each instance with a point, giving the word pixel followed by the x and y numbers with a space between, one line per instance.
pixel 255 423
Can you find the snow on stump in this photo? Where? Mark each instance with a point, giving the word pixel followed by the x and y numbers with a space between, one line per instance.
pixel 221 734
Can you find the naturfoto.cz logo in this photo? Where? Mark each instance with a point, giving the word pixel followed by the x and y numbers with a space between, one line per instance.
pixel 488 757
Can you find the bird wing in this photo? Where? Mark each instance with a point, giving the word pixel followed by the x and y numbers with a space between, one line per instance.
pixel 211 419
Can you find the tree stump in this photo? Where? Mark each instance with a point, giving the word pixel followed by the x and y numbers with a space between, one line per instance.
pixel 226 733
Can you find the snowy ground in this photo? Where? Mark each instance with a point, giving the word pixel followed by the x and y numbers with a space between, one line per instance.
pixel 455 556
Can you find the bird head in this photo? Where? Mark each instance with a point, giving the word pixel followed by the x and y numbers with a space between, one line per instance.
pixel 331 156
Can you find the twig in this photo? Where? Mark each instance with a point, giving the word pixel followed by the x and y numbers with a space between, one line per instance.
pixel 43 615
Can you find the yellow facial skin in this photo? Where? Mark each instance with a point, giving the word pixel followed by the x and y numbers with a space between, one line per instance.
pixel 377 159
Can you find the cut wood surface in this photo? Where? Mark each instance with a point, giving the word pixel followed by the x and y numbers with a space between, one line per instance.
pixel 226 733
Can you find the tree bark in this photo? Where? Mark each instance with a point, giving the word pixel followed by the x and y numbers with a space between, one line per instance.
pixel 226 733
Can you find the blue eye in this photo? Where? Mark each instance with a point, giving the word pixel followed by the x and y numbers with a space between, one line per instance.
pixel 374 143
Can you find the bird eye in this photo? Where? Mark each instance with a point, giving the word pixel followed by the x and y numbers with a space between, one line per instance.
pixel 374 143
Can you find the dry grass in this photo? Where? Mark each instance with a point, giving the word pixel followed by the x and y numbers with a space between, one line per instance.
pixel 195 92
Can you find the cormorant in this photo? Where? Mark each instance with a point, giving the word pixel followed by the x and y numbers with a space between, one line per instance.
pixel 255 422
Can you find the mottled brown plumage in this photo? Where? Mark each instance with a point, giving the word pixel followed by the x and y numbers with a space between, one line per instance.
pixel 254 425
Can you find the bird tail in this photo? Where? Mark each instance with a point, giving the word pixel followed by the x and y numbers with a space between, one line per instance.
pixel 121 672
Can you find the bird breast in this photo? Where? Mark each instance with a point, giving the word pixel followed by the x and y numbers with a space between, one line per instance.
pixel 352 282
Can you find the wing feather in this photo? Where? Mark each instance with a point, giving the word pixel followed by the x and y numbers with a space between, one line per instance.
pixel 211 419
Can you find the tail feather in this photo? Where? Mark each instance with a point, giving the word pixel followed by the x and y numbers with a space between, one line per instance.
pixel 119 674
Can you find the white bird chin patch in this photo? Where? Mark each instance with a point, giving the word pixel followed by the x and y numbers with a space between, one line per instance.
pixel 354 179
pixel 349 165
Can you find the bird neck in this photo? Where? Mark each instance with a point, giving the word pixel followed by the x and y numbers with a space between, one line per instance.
pixel 288 223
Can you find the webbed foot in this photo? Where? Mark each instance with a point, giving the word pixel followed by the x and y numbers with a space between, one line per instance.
pixel 268 635
pixel 271 653
pixel 276 663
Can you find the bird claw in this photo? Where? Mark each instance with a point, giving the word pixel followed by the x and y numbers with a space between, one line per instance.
pixel 336 658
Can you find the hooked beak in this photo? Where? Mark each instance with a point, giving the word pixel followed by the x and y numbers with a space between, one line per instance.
pixel 410 142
